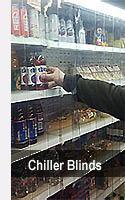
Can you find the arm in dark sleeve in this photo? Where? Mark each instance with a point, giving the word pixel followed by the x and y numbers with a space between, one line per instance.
pixel 100 95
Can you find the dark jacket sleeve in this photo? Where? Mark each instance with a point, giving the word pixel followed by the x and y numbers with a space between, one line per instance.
pixel 100 95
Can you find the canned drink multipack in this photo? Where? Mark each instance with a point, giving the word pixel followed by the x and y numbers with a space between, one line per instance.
pixel 24 21
pixel 15 20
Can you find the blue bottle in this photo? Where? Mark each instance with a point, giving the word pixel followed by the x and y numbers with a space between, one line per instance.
pixel 39 119
pixel 31 125
pixel 20 129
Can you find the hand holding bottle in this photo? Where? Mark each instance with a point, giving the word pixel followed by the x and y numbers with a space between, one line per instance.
pixel 55 76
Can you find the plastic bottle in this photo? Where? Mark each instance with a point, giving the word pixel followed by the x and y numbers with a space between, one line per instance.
pixel 31 125
pixel 39 119
pixel 20 129
pixel 33 23
pixel 31 74
pixel 63 30
pixel 53 27
pixel 82 39
pixel 41 26
pixel 70 31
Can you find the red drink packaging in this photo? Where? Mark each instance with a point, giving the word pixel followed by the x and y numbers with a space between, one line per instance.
pixel 24 21
pixel 15 20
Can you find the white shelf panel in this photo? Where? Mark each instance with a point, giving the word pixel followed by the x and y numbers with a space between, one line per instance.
pixel 27 40
pixel 47 141
pixel 83 47
pixel 63 45
pixel 18 96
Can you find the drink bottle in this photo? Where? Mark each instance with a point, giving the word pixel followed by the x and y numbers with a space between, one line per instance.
pixel 41 69
pixel 31 74
pixel 24 75
pixel 39 119
pixel 20 129
pixel 31 125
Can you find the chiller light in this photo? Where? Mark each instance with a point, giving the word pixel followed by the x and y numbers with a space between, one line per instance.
pixel 99 6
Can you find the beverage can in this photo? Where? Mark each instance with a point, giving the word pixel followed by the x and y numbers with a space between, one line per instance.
pixel 15 20
pixel 24 21
pixel 24 76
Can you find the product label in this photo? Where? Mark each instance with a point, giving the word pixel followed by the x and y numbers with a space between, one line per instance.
pixel 39 71
pixel 62 31
pixel 86 70
pixel 32 129
pixel 20 129
pixel 110 68
pixel 24 21
pixel 40 122
pixel 103 68
pixel 24 75
pixel 15 20
pixel 116 68
pixel 31 76
pixel 93 69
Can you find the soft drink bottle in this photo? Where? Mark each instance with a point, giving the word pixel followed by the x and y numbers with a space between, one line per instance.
pixel 24 76
pixel 39 119
pixel 20 129
pixel 31 74
pixel 41 69
pixel 31 125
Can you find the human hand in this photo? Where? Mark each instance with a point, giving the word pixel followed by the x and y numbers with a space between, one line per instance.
pixel 55 75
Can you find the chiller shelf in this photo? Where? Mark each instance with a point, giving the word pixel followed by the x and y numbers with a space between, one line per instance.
pixel 83 47
pixel 63 45
pixel 25 95
pixel 49 140
pixel 27 40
